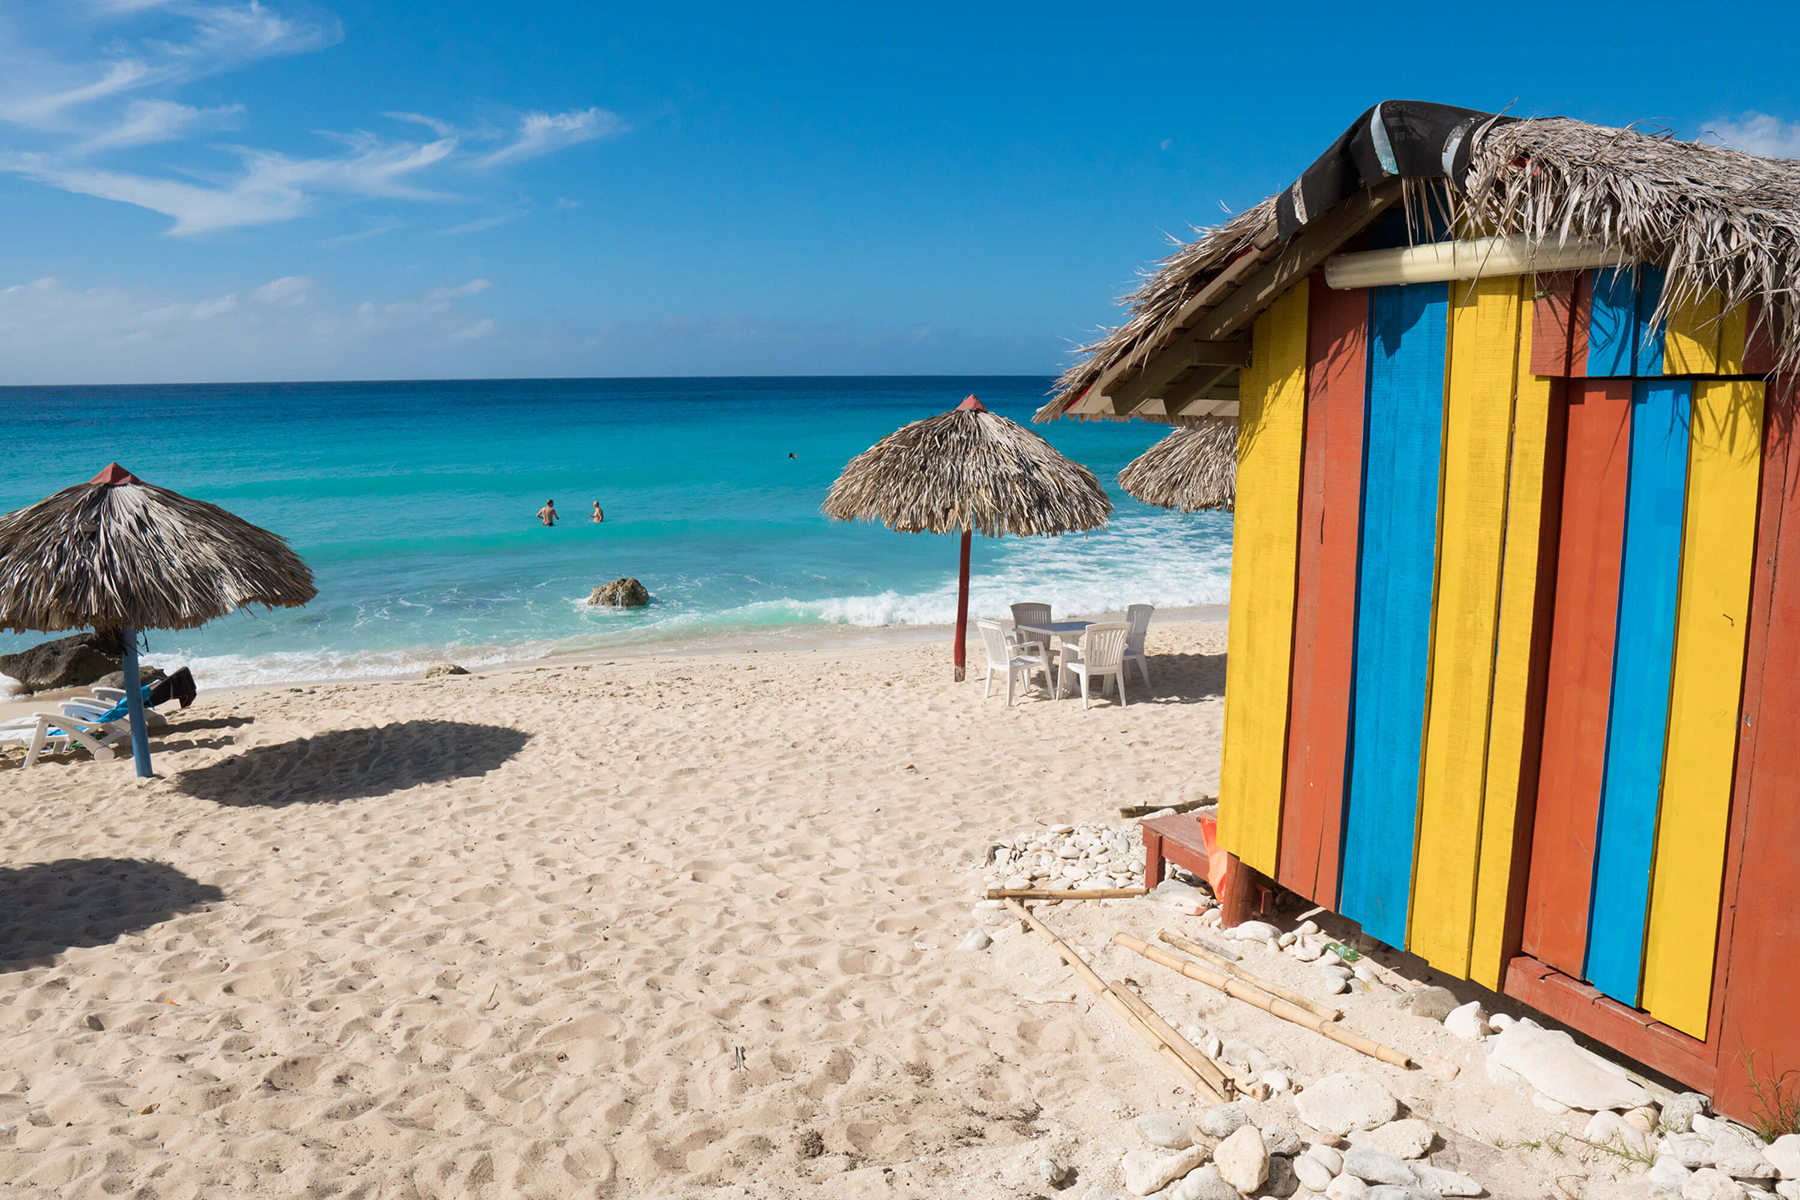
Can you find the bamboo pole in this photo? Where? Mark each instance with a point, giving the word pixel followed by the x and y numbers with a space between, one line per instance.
pixel 1074 894
pixel 1250 994
pixel 1207 1069
pixel 1131 811
pixel 1200 950
pixel 1098 986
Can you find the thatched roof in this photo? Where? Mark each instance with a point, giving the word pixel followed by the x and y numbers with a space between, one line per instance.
pixel 1190 470
pixel 968 469
pixel 116 551
pixel 1715 219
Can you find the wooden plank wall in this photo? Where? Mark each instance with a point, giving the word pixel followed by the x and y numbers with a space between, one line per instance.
pixel 1478 418
pixel 1271 424
pixel 1643 660
pixel 1325 608
pixel 1408 331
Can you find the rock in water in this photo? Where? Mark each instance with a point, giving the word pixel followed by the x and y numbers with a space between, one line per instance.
pixel 74 661
pixel 1147 1170
pixel 1679 1113
pixel 1345 1101
pixel 621 593
pixel 1243 1160
pixel 1165 1130
pixel 439 670
pixel 1408 1138
pixel 1552 1063
pixel 1432 1003
pixel 1223 1121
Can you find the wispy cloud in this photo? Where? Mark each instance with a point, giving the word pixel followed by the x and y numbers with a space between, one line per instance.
pixel 76 111
pixel 479 224
pixel 344 239
pixel 540 133
pixel 1758 133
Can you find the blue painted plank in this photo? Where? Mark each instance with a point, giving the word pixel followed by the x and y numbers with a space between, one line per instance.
pixel 1649 345
pixel 1612 323
pixel 1408 336
pixel 1643 663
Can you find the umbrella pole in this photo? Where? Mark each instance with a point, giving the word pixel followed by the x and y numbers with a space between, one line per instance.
pixel 134 703
pixel 962 608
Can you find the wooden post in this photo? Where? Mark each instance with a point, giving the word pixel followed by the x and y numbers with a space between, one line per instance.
pixel 134 702
pixel 962 608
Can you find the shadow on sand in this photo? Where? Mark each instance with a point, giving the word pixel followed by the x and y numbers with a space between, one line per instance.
pixel 46 908
pixel 353 764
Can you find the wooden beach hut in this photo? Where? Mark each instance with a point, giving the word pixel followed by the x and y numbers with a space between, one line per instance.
pixel 1514 670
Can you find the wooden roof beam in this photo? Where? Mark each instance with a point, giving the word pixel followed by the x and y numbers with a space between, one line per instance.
pixel 1229 354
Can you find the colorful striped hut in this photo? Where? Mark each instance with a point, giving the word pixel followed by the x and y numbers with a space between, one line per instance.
pixel 1514 673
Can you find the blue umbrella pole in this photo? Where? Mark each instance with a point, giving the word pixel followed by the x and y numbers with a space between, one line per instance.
pixel 134 704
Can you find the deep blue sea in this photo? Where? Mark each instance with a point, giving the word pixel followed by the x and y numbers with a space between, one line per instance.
pixel 413 503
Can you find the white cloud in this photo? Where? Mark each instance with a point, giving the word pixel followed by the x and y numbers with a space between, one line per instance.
pixel 480 329
pixel 460 290
pixel 479 224
pixel 289 290
pixel 540 133
pixel 344 239
pixel 1758 133
pixel 196 209
pixel 147 122
pixel 441 128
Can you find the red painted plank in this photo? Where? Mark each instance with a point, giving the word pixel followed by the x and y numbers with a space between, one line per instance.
pixel 1552 319
pixel 1759 943
pixel 1624 1029
pixel 1325 608
pixel 1578 325
pixel 1579 674
pixel 1759 341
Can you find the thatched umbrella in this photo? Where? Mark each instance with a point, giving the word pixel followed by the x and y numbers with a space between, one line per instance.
pixel 968 470
pixel 116 553
pixel 1194 468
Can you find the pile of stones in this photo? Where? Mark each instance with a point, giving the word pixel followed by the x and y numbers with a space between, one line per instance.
pixel 1091 854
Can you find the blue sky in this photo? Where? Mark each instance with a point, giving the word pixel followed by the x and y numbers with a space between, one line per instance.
pixel 208 190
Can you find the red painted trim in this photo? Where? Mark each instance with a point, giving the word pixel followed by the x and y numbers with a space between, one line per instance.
pixel 1759 341
pixel 1552 320
pixel 1579 674
pixel 1758 971
pixel 1625 1029
pixel 1325 603
pixel 1578 328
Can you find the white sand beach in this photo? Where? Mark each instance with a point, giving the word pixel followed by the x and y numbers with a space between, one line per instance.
pixel 653 927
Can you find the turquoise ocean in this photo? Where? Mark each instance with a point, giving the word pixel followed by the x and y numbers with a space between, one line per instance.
pixel 413 503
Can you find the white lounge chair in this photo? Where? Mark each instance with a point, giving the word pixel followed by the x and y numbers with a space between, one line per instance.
pixel 1015 661
pixel 1099 655
pixel 1138 617
pixel 63 731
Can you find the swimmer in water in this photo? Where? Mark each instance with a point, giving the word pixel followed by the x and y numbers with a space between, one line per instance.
pixel 547 514
pixel 598 515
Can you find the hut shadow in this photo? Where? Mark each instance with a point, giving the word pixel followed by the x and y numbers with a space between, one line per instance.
pixel 353 764
pixel 46 908
pixel 1179 679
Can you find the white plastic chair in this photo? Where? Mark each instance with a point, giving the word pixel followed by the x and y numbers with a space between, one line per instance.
pixel 63 731
pixel 1138 617
pixel 1099 655
pixel 1027 614
pixel 1018 662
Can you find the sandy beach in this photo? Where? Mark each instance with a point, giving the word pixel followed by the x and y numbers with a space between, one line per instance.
pixel 679 926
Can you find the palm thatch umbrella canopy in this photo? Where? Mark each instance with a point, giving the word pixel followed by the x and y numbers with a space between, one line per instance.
pixel 1193 469
pixel 118 553
pixel 965 471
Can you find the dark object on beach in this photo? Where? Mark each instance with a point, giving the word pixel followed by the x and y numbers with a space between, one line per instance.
pixel 66 662
pixel 119 555
pixel 1192 469
pixel 965 471
pixel 621 593
pixel 441 669
pixel 179 686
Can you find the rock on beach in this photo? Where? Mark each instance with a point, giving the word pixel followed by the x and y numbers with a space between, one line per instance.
pixel 1346 1101
pixel 1551 1062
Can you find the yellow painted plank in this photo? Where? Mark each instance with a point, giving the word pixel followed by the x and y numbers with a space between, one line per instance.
pixel 1691 343
pixel 1512 664
pixel 1478 402
pixel 1733 333
pixel 1718 539
pixel 1265 541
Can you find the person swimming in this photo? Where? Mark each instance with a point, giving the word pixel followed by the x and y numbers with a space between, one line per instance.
pixel 598 515
pixel 547 514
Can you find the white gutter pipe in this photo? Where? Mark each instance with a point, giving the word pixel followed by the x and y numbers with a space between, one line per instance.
pixel 1440 261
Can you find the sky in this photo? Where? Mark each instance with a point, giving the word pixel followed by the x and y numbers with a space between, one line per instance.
pixel 209 190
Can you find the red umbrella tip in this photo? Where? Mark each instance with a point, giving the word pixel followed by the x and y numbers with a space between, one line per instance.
pixel 115 474
pixel 971 405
